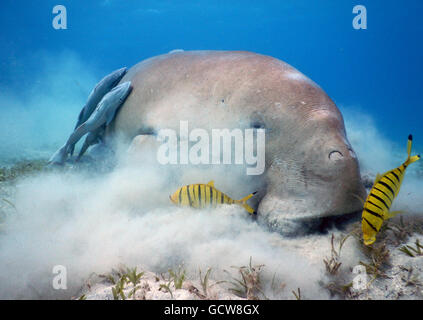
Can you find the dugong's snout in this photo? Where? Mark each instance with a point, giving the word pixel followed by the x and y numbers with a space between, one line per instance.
pixel 344 185
pixel 333 172
pixel 321 180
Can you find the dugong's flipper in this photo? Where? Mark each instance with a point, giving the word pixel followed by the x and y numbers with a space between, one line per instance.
pixel 108 105
pixel 100 90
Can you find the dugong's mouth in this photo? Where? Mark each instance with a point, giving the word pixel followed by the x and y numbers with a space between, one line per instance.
pixel 324 224
pixel 312 225
pixel 304 215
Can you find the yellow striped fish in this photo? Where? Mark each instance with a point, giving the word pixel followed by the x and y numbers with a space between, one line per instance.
pixel 206 195
pixel 381 196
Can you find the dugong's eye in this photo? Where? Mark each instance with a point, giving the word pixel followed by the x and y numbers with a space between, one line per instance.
pixel 257 125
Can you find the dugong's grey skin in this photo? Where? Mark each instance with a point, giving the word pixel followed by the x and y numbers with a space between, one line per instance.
pixel 104 86
pixel 311 169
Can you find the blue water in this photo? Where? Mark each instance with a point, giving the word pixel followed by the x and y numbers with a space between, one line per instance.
pixel 377 71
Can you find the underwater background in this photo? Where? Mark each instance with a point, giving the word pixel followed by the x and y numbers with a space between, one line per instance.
pixel 46 75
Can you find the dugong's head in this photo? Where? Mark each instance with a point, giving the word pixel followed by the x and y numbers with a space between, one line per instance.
pixel 312 172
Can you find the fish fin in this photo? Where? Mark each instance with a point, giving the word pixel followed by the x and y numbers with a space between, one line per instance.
pixel 412 159
pixel 248 208
pixel 392 214
pixel 369 241
pixel 80 117
pixel 211 183
pixel 78 123
pixel 71 149
pixel 83 149
pixel 60 156
pixel 359 198
pixel 244 200
pixel 378 177
pixel 409 142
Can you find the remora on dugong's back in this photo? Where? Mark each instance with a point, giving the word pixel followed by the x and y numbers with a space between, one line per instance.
pixel 100 117
pixel 104 86
pixel 311 169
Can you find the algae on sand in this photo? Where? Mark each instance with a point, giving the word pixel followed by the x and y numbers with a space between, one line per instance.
pixel 21 168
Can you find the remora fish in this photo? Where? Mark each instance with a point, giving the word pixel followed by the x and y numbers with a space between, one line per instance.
pixel 385 188
pixel 92 138
pixel 104 113
pixel 104 86
pixel 206 195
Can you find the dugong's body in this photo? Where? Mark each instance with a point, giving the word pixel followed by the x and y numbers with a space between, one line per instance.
pixel 311 169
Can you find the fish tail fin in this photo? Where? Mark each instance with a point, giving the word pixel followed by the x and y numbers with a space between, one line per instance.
pixel 71 149
pixel 248 208
pixel 410 159
pixel 409 143
pixel 244 200
pixel 243 203
pixel 369 241
pixel 82 151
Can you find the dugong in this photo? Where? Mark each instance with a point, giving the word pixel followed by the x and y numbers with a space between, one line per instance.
pixel 311 170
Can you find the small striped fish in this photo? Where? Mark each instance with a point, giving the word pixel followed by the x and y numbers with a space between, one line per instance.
pixel 206 195
pixel 378 202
